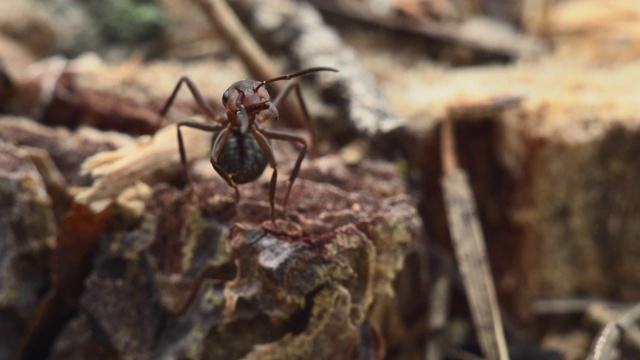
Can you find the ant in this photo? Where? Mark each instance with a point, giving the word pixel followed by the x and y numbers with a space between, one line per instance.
pixel 241 148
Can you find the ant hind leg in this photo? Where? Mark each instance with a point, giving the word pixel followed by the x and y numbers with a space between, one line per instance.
pixel 294 85
pixel 281 135
pixel 183 154
pixel 268 152
pixel 223 174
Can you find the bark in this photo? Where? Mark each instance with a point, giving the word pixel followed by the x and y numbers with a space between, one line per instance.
pixel 26 232
pixel 303 286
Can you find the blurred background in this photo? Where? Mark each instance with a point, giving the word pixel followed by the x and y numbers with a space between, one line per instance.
pixel 544 96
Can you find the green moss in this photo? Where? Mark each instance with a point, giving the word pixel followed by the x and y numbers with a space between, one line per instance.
pixel 128 21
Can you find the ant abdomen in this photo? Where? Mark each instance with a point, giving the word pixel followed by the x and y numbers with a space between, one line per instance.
pixel 242 158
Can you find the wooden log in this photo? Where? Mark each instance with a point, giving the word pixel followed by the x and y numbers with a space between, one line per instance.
pixel 27 229
pixel 207 264
pixel 554 176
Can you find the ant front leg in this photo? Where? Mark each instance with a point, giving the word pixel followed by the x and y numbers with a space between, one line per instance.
pixel 197 96
pixel 280 135
pixel 183 153
pixel 294 85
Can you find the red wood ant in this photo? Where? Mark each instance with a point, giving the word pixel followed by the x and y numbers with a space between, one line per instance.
pixel 241 149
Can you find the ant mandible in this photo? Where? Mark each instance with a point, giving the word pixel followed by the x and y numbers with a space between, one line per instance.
pixel 241 148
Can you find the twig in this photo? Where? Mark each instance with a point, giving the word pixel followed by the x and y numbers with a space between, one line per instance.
pixel 616 326
pixel 561 306
pixel 485 108
pixel 438 314
pixel 605 346
pixel 607 314
pixel 470 250
pixel 448 147
pixel 225 21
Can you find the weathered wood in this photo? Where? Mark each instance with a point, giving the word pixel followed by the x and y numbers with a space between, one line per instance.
pixel 125 97
pixel 554 176
pixel 67 149
pixel 149 161
pixel 27 229
pixel 219 265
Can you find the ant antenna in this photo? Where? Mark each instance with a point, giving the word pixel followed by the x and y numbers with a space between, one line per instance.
pixel 291 76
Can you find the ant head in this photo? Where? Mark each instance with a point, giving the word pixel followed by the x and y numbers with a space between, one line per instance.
pixel 252 94
pixel 245 98
pixel 245 93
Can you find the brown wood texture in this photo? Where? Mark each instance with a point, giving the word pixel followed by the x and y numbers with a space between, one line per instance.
pixel 548 140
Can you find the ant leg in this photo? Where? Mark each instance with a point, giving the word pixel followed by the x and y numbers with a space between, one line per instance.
pixel 268 152
pixel 202 104
pixel 280 135
pixel 183 154
pixel 218 144
pixel 293 85
pixel 223 174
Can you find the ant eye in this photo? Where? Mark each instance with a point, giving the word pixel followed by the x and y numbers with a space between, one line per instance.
pixel 225 96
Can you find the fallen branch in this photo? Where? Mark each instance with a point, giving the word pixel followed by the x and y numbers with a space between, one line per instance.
pixel 470 250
